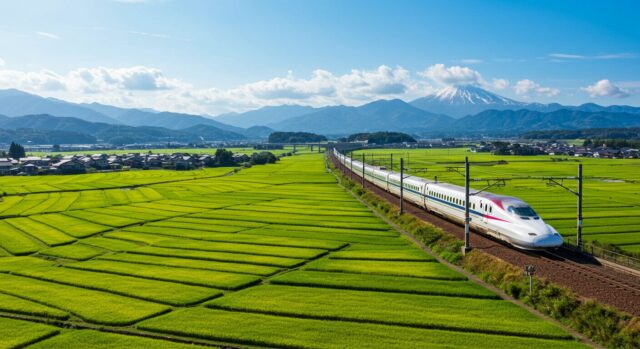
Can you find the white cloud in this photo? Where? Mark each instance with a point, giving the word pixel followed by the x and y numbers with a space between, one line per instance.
pixel 89 80
pixel 605 88
pixel 571 56
pixel 48 35
pixel 471 61
pixel 148 87
pixel 527 87
pixel 454 75
pixel 500 84
pixel 2 62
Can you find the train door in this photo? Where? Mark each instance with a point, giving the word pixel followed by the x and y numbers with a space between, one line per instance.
pixel 484 209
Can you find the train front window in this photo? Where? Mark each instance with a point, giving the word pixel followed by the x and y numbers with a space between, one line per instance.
pixel 523 211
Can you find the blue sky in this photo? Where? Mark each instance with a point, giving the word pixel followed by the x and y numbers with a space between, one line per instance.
pixel 217 56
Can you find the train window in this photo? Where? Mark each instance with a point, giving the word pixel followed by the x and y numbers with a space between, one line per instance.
pixel 524 211
pixel 490 208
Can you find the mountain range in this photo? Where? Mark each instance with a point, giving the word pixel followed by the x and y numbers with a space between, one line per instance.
pixel 460 110
pixel 48 129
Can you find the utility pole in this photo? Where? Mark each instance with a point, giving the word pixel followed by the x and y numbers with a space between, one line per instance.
pixel 467 219
pixel 579 226
pixel 363 158
pixel 351 161
pixel 401 185
pixel 391 161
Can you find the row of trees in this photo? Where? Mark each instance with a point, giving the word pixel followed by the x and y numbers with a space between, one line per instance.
pixel 612 143
pixel 295 137
pixel 381 137
pixel 630 133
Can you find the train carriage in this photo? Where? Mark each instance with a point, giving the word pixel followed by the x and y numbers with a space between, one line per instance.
pixel 503 217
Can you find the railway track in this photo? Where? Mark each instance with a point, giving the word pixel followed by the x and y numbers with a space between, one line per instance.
pixel 581 273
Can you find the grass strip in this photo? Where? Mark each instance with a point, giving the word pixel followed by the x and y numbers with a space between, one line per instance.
pixel 407 254
pixel 18 305
pixel 75 227
pixel 119 213
pixel 261 250
pixel 110 244
pixel 157 291
pixel 221 256
pixel 43 232
pixel 17 242
pixel 96 339
pixel 287 332
pixel 76 251
pixel 10 264
pixel 291 219
pixel 19 334
pixel 189 219
pixel 383 283
pixel 110 220
pixel 196 226
pixel 348 238
pixel 92 306
pixel 424 311
pixel 429 270
pixel 197 277
pixel 240 268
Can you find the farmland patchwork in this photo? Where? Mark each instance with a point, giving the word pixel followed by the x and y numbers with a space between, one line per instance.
pixel 275 256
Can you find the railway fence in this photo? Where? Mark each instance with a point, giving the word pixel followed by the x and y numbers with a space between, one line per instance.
pixel 604 253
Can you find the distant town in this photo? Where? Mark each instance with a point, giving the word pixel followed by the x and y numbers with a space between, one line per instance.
pixel 99 162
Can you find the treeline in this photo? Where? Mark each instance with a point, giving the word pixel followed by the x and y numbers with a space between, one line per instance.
pixel 632 133
pixel 381 137
pixel 295 137
pixel 612 143
pixel 24 135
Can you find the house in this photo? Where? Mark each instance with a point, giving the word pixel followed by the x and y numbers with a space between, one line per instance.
pixel 99 161
pixel 30 169
pixel 73 166
pixel 5 166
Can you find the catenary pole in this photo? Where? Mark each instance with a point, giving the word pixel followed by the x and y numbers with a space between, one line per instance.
pixel 467 220
pixel 363 158
pixel 401 185
pixel 579 226
pixel 351 162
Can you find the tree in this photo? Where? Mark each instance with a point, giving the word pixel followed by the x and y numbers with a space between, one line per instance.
pixel 224 157
pixel 56 147
pixel 16 151
pixel 262 158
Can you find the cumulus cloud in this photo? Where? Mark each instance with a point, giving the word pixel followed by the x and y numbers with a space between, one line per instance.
pixel 2 62
pixel 605 88
pixel 89 80
pixel 454 75
pixel 527 87
pixel 499 84
pixel 145 86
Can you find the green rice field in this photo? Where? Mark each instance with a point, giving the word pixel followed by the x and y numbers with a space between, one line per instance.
pixel 274 256
pixel 611 187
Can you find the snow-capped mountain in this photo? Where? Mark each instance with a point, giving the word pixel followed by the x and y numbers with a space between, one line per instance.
pixel 459 101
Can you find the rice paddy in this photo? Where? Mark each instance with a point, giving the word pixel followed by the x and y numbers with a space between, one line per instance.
pixel 611 187
pixel 273 256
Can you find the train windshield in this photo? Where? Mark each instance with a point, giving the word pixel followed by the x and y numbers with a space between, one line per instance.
pixel 523 211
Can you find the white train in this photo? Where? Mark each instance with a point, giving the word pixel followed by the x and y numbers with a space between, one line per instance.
pixel 503 217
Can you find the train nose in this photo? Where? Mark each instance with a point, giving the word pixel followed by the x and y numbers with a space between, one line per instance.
pixel 548 240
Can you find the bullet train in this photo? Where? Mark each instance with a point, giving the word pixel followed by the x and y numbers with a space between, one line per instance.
pixel 503 217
